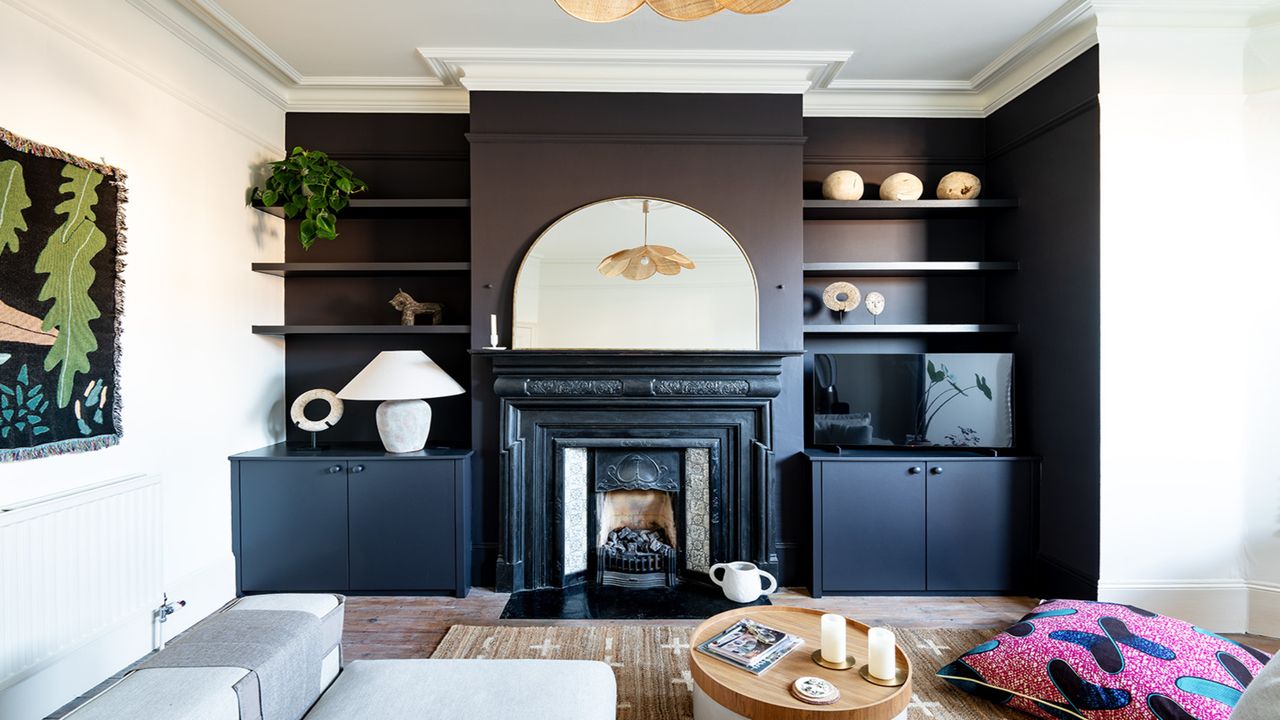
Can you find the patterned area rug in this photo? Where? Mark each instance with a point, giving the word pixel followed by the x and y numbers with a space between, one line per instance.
pixel 652 664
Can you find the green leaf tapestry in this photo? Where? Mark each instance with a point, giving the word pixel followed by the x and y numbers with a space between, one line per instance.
pixel 61 293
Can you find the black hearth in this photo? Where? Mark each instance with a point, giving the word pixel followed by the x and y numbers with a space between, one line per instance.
pixel 568 415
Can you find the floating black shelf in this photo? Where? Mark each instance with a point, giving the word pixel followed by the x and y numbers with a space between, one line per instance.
pixel 905 269
pixel 361 329
pixel 337 269
pixel 391 207
pixel 916 329
pixel 861 209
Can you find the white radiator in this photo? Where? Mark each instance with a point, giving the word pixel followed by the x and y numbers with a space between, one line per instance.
pixel 74 566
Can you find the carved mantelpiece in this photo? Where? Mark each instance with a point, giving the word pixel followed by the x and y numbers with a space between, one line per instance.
pixel 552 400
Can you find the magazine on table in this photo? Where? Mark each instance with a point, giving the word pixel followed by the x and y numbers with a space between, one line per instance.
pixel 751 646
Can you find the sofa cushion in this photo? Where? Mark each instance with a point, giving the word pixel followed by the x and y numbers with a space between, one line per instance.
pixel 1262 700
pixel 168 693
pixel 1078 659
pixel 470 690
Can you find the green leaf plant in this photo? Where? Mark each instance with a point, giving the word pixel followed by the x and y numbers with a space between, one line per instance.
pixel 13 200
pixel 310 183
pixel 66 260
pixel 942 389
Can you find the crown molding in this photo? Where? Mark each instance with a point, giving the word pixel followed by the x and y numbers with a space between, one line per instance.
pixel 607 70
pixel 452 72
pixel 1205 14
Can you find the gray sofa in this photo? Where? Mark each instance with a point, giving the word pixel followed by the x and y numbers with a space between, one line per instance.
pixel 278 657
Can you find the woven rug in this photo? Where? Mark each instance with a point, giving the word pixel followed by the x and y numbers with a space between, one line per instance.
pixel 651 664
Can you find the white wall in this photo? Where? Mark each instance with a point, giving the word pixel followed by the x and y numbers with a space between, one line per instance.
pixel 1187 316
pixel 103 80
pixel 1262 473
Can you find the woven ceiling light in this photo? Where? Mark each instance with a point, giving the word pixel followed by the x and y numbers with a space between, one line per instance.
pixel 603 11
pixel 641 263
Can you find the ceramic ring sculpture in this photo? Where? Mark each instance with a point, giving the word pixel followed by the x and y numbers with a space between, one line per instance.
pixel 831 296
pixel 297 411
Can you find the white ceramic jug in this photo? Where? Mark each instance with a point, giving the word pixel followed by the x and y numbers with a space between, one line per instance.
pixel 741 581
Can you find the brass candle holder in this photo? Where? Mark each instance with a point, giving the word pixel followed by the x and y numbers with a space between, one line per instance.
pixel 849 662
pixel 899 677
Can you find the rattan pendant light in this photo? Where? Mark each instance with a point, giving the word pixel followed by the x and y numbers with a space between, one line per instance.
pixel 603 11
pixel 641 263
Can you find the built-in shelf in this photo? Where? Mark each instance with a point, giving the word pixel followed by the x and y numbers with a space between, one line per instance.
pixel 312 269
pixel 920 329
pixel 856 209
pixel 905 269
pixel 361 329
pixel 372 208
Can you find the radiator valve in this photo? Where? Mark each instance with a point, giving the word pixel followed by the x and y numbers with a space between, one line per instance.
pixel 168 608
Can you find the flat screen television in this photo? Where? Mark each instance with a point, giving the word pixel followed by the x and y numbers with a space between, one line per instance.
pixel 913 400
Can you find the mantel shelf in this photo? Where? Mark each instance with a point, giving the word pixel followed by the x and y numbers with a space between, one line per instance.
pixel 905 269
pixel 919 329
pixel 389 207
pixel 860 209
pixel 311 269
pixel 361 329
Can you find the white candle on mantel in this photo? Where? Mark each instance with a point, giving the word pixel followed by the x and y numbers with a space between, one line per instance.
pixel 833 638
pixel 493 325
pixel 880 653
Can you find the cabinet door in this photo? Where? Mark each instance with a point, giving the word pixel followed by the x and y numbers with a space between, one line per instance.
pixel 402 525
pixel 981 517
pixel 293 526
pixel 873 526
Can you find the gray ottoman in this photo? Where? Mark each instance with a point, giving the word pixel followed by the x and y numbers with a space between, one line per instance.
pixel 470 690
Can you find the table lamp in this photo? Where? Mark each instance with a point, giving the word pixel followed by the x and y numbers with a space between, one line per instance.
pixel 402 378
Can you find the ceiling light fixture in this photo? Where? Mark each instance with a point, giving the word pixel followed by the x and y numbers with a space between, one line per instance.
pixel 603 11
pixel 643 262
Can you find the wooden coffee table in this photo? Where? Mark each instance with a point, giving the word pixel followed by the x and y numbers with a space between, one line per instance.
pixel 723 692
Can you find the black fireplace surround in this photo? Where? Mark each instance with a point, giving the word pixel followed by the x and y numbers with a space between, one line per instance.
pixel 554 399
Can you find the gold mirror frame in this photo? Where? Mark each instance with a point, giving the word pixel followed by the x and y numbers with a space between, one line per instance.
pixel 755 280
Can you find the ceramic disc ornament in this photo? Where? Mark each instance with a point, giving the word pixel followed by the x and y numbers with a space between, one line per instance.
pixel 815 691
pixel 841 296
pixel 901 186
pixel 875 303
pixel 298 411
pixel 843 185
pixel 959 186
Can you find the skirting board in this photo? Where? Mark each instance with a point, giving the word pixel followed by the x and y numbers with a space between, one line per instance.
pixel 64 679
pixel 1226 605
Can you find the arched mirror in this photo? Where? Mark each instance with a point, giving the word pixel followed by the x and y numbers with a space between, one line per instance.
pixel 636 274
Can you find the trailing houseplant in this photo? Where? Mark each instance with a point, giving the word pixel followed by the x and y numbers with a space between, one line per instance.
pixel 311 183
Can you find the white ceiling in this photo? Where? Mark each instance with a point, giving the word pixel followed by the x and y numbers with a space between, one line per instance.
pixel 917 40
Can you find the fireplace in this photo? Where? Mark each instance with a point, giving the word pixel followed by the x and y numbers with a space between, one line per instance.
pixel 633 469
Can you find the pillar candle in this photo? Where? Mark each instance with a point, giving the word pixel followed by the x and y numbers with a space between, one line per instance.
pixel 880 653
pixel 493 324
pixel 833 638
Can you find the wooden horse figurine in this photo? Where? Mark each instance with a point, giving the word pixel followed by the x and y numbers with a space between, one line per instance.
pixel 410 308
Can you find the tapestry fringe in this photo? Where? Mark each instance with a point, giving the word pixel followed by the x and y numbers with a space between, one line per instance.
pixel 59 447
pixel 117 178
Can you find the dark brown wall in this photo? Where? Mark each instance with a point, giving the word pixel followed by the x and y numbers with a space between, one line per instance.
pixel 537 156
pixel 1044 149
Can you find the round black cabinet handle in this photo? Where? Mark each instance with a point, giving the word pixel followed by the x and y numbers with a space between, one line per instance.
pixel 916 470
pixel 357 469
pixel 335 469
pixel 935 470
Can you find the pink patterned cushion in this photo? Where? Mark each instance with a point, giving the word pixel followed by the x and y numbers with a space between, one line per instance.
pixel 1072 659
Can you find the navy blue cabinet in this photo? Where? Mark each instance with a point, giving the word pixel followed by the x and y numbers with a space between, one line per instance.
pixel 352 520
pixel 888 523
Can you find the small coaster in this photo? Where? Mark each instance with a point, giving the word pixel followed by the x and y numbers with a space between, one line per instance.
pixel 815 691
pixel 899 679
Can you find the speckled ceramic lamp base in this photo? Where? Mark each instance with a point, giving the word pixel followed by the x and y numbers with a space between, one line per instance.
pixel 403 425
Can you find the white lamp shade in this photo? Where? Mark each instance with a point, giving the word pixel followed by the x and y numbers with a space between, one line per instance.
pixel 400 375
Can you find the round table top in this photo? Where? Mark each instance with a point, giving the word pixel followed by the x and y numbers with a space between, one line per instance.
pixel 768 696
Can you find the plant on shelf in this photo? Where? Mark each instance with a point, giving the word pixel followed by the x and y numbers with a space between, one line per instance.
pixel 311 183
pixel 943 389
